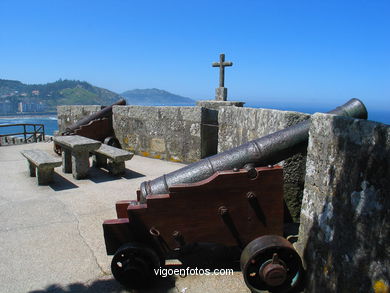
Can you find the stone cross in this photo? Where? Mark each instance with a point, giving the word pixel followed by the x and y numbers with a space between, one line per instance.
pixel 221 92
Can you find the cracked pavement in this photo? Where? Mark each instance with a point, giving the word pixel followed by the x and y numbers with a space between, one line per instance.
pixel 51 237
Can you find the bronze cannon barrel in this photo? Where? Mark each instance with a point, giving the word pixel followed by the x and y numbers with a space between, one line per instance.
pixel 105 112
pixel 269 149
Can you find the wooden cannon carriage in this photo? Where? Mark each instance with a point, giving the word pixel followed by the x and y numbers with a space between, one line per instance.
pixel 225 211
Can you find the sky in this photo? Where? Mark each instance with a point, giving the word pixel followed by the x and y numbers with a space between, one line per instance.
pixel 305 52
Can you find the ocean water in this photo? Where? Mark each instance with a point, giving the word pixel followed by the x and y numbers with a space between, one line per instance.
pixel 382 116
pixel 51 125
pixel 49 121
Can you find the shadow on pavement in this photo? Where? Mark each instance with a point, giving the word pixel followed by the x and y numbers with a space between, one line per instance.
pixel 101 175
pixel 61 183
pixel 108 286
pixel 129 174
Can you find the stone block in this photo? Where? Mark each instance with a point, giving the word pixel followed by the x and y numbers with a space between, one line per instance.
pixel 238 125
pixel 157 145
pixel 80 165
pixel 344 234
pixel 221 94
pixel 172 133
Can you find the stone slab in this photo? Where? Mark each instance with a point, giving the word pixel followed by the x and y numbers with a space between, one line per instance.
pixel 115 154
pixel 41 159
pixel 77 143
pixel 344 235
pixel 215 105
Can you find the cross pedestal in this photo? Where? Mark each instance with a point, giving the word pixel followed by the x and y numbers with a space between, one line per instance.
pixel 221 94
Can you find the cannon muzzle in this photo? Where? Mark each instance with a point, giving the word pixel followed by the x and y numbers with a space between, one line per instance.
pixel 269 149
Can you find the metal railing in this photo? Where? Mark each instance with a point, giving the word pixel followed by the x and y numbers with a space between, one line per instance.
pixel 37 133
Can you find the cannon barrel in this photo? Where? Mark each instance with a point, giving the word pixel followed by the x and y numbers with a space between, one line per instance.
pixel 105 112
pixel 269 149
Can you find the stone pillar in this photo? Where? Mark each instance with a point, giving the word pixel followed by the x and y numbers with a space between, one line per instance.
pixel 66 161
pixel 45 175
pixel 116 168
pixel 221 94
pixel 99 161
pixel 344 234
pixel 32 169
pixel 80 164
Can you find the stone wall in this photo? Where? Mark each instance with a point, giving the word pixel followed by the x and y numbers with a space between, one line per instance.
pixel 344 236
pixel 239 125
pixel 68 115
pixel 180 134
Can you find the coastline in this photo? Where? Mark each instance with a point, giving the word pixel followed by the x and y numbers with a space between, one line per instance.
pixel 28 115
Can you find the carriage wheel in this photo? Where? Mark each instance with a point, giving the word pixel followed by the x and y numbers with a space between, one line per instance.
pixel 112 141
pixel 271 263
pixel 133 264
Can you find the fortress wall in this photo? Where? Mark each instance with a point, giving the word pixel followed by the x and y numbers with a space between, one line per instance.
pixel 239 125
pixel 68 115
pixel 180 134
pixel 344 234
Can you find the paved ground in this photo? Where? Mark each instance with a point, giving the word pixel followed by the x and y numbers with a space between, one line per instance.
pixel 51 237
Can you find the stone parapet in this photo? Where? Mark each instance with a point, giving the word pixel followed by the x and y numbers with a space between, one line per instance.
pixel 181 134
pixel 68 115
pixel 215 105
pixel 239 125
pixel 345 221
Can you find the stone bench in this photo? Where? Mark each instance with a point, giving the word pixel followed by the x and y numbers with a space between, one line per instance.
pixel 116 159
pixel 44 163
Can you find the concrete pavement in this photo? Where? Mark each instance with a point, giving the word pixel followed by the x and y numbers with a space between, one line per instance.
pixel 51 237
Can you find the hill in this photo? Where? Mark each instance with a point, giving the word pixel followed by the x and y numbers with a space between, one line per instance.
pixel 45 97
pixel 155 97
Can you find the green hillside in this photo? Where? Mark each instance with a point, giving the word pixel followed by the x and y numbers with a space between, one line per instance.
pixel 46 97
pixel 61 92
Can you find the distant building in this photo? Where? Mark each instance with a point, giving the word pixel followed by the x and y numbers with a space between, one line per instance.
pixel 35 92
pixel 31 107
pixel 8 107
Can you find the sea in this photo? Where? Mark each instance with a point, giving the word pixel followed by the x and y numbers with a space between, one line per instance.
pixel 51 123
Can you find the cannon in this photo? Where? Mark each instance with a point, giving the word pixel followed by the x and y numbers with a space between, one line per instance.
pixel 263 151
pixel 97 126
pixel 225 211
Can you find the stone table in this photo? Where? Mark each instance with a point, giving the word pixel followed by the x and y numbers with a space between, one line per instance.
pixel 75 154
